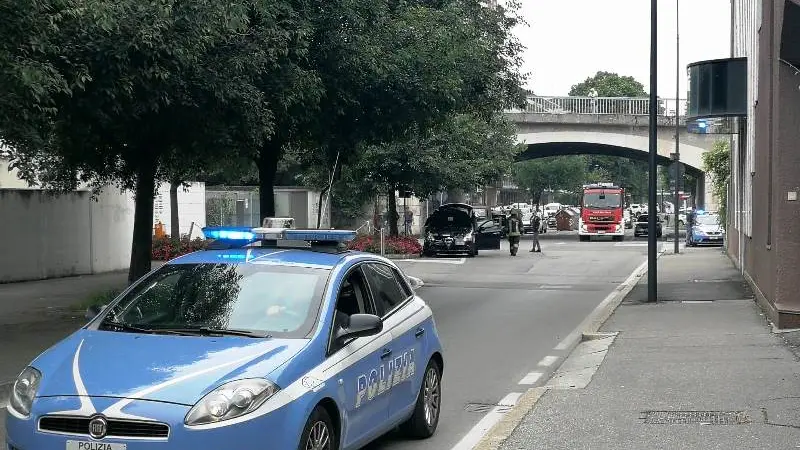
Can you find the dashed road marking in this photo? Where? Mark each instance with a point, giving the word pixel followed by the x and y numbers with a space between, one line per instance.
pixel 531 378
pixel 548 361
pixel 471 439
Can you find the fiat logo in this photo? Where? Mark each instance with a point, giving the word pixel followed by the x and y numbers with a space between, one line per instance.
pixel 98 427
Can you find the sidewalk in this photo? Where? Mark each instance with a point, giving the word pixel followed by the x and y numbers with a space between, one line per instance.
pixel 699 370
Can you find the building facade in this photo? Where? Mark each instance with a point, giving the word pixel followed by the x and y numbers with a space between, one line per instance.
pixel 763 204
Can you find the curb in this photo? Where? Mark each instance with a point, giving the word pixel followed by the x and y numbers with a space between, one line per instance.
pixel 587 330
pixel 5 392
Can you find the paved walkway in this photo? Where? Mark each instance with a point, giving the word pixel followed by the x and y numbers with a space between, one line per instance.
pixel 699 370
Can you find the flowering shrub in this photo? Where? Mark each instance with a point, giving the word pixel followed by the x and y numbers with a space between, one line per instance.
pixel 165 248
pixel 400 245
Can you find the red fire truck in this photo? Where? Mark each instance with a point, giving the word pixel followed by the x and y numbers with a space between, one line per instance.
pixel 602 206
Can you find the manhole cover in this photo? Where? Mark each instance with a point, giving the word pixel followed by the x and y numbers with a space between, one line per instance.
pixel 696 417
pixel 486 407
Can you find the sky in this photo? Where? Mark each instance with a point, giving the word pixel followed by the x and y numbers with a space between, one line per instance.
pixel 569 40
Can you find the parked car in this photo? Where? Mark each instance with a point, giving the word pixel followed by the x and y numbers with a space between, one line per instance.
pixel 705 229
pixel 453 228
pixel 269 346
pixel 641 228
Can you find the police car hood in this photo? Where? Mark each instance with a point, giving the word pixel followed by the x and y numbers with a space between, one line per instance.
pixel 167 368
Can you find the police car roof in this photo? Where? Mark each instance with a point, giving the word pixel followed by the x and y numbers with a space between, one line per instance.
pixel 257 255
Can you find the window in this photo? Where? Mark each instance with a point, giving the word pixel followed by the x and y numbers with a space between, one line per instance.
pixel 275 300
pixel 385 286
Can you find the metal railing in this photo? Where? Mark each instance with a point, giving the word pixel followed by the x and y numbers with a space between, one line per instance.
pixel 601 106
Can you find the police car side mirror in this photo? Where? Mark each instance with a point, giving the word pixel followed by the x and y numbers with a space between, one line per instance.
pixel 93 311
pixel 360 325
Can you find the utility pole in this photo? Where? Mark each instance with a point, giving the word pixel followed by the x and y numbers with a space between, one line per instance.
pixel 677 163
pixel 652 275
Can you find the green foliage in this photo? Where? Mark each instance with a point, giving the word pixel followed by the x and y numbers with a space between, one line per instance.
pixel 557 172
pixel 609 84
pixel 717 164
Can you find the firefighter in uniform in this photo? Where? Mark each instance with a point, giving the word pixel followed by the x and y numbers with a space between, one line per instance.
pixel 514 230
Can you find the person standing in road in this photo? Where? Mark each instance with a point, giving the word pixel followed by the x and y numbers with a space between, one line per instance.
pixel 514 231
pixel 537 224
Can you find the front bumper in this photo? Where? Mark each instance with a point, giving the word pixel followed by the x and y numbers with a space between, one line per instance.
pixel 708 240
pixel 278 430
pixel 592 229
pixel 448 246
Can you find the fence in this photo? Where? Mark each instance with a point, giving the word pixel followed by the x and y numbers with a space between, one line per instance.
pixel 602 105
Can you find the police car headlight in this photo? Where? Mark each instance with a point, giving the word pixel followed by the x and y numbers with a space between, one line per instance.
pixel 231 400
pixel 24 391
pixel 468 236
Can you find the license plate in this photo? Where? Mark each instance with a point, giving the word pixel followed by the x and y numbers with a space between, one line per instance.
pixel 460 242
pixel 715 238
pixel 86 445
pixel 601 232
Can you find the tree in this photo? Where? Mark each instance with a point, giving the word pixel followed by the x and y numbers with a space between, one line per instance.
pixel 609 84
pixel 174 85
pixel 717 164
pixel 461 153
pixel 555 172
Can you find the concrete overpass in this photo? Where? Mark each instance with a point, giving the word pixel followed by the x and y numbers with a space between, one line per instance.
pixel 552 126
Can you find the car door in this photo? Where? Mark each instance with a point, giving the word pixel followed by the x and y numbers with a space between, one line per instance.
pixel 395 301
pixel 488 235
pixel 365 403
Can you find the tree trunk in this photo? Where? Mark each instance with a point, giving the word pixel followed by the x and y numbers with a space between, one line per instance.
pixel 392 213
pixel 267 169
pixel 141 249
pixel 174 224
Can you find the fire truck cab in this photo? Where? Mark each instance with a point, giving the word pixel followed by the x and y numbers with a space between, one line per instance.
pixel 602 212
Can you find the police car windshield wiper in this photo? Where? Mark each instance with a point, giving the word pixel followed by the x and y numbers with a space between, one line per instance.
pixel 220 331
pixel 128 327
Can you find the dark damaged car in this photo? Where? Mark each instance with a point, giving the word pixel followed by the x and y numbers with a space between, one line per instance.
pixel 454 229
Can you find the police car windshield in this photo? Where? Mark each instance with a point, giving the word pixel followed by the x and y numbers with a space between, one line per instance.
pixel 707 220
pixel 268 300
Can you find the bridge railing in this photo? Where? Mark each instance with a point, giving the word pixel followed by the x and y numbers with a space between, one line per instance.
pixel 602 105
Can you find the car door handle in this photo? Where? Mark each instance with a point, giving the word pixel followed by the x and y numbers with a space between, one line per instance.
pixel 386 353
pixel 420 331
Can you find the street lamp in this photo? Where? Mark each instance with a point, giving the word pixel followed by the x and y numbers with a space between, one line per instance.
pixel 652 277
pixel 677 163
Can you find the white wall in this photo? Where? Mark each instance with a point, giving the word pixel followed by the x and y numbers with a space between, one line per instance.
pixel 191 208
pixel 43 235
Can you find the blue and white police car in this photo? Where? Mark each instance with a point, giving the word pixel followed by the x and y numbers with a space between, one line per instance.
pixel 279 339
pixel 705 228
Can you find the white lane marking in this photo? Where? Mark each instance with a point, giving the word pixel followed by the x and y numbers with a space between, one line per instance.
pixel 555 286
pixel 548 361
pixel 697 302
pixel 471 439
pixel 531 378
pixel 436 261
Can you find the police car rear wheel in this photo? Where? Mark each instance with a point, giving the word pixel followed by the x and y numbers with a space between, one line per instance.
pixel 425 419
pixel 318 433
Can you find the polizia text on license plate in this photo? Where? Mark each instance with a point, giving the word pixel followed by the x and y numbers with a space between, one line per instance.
pixel 85 445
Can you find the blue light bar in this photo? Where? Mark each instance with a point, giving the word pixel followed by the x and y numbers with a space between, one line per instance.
pixel 320 235
pixel 229 233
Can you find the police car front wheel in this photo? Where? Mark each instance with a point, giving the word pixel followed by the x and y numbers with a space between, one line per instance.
pixel 423 422
pixel 318 433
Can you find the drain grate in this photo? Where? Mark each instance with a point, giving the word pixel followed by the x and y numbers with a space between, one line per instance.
pixel 696 417
pixel 486 407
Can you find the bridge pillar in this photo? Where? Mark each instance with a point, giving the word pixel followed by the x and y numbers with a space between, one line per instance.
pixel 490 192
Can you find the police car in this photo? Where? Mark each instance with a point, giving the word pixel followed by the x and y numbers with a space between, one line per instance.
pixel 277 339
pixel 705 228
